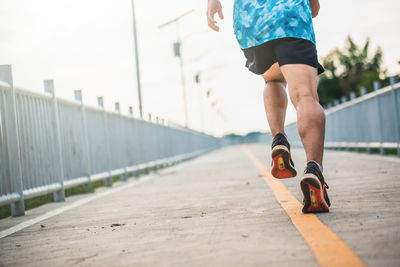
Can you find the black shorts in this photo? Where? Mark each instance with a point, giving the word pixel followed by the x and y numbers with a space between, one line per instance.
pixel 284 51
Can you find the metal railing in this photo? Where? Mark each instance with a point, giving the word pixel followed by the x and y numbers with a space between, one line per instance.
pixel 48 144
pixel 366 122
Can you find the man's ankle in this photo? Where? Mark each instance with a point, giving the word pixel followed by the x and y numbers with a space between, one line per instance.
pixel 280 139
pixel 319 166
pixel 283 133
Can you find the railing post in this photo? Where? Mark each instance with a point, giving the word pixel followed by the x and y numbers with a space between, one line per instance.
pixel 363 92
pixel 124 176
pixel 354 123
pixel 49 88
pixel 147 150
pixel 345 122
pixel 79 98
pixel 336 130
pixel 377 86
pixel 155 142
pixel 14 156
pixel 107 181
pixel 331 128
pixel 136 172
pixel 393 81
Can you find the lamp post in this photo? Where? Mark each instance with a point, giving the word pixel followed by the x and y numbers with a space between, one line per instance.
pixel 197 80
pixel 177 53
pixel 137 60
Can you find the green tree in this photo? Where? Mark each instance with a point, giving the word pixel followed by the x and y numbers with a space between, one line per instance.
pixel 349 69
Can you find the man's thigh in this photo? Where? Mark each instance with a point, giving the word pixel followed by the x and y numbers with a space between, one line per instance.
pixel 301 78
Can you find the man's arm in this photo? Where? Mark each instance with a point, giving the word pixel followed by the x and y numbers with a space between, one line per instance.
pixel 314 7
pixel 214 6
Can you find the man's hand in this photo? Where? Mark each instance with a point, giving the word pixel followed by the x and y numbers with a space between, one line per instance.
pixel 314 4
pixel 214 6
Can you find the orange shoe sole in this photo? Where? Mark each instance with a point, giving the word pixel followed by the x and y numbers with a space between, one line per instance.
pixel 281 167
pixel 314 200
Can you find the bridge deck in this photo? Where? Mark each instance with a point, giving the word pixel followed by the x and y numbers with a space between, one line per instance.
pixel 214 210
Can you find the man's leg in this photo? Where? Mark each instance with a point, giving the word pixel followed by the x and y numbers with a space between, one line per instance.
pixel 275 99
pixel 302 82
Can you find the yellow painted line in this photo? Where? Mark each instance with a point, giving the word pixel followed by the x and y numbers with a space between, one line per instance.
pixel 327 247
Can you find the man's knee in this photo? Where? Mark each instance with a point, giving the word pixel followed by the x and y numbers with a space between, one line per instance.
pixel 300 95
pixel 275 82
pixel 274 85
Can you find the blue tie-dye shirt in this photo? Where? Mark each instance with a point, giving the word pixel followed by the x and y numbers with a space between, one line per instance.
pixel 258 21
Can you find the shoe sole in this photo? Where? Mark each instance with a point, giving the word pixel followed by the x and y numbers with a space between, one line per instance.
pixel 281 167
pixel 314 200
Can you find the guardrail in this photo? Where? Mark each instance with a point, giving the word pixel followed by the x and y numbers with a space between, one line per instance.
pixel 366 122
pixel 48 144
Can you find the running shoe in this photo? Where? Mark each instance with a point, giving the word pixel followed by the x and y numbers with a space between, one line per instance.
pixel 314 188
pixel 282 164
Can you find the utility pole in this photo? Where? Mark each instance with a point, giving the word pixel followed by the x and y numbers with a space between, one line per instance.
pixel 177 53
pixel 197 80
pixel 139 88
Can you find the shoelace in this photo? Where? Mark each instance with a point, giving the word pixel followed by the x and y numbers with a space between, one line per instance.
pixel 280 139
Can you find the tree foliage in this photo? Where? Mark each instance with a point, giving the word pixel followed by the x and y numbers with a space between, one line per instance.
pixel 349 69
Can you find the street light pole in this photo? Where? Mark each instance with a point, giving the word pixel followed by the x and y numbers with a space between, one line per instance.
pixel 137 60
pixel 177 52
pixel 197 80
pixel 182 76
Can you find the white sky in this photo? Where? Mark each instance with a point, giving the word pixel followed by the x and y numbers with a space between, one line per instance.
pixel 87 44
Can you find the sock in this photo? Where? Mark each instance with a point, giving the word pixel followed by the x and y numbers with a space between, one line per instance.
pixel 319 166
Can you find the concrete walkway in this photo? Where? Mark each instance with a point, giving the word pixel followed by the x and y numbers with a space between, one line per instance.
pixel 215 210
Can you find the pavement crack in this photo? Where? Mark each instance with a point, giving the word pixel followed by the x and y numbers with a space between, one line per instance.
pixel 82 259
pixel 117 224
